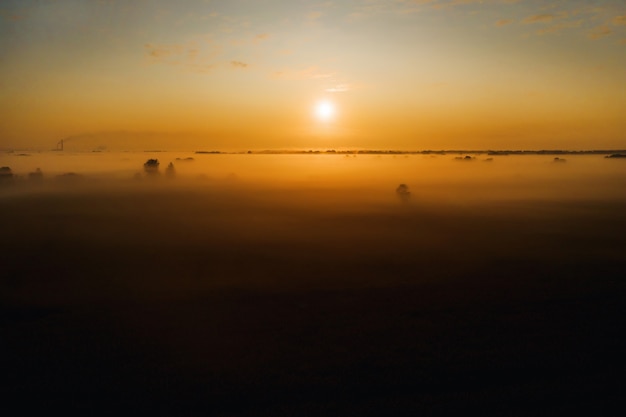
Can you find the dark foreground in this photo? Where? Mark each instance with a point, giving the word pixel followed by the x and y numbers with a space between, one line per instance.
pixel 213 303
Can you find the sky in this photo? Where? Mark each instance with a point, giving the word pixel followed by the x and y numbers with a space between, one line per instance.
pixel 269 74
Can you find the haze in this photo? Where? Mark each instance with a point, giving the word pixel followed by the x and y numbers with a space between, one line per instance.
pixel 313 208
pixel 254 284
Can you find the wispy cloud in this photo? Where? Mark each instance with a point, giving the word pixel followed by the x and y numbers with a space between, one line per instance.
pixel 456 3
pixel 487 1
pixel 419 2
pixel 203 55
pixel 194 56
pixel 162 52
pixel 560 26
pixel 600 17
pixel 238 64
pixel 372 8
pixel 369 8
pixel 339 88
pixel 538 18
pixel 503 22
pixel 600 32
pixel 310 73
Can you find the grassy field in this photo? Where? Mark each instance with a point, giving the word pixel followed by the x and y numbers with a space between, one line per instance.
pixel 229 301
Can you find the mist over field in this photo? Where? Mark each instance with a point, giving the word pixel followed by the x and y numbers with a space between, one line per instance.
pixel 313 284
pixel 236 208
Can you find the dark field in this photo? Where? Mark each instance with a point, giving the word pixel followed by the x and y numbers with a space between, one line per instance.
pixel 227 301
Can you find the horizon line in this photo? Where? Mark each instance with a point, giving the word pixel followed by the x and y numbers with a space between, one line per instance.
pixel 22 152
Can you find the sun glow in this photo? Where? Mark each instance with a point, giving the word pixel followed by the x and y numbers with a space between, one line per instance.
pixel 324 110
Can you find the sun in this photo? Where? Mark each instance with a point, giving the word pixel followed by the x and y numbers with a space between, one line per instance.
pixel 324 110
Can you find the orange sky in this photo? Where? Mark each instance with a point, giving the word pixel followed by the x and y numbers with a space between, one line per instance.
pixel 234 75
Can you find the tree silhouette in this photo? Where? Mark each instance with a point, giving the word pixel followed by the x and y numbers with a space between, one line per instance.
pixel 37 175
pixel 151 166
pixel 170 172
pixel 6 174
pixel 403 192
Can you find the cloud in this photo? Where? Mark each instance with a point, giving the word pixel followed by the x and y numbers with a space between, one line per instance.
pixel 455 3
pixel 462 2
pixel 261 37
pixel 600 32
pixel 238 64
pixel 368 8
pixel 619 20
pixel 503 22
pixel 159 52
pixel 419 2
pixel 310 73
pixel 371 8
pixel 560 26
pixel 339 88
pixel 598 21
pixel 194 56
pixel 449 3
pixel 538 18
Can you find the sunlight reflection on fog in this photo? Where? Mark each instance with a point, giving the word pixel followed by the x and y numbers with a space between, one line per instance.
pixel 370 177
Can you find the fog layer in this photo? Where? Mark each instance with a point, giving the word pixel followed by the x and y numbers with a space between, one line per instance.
pixel 291 285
